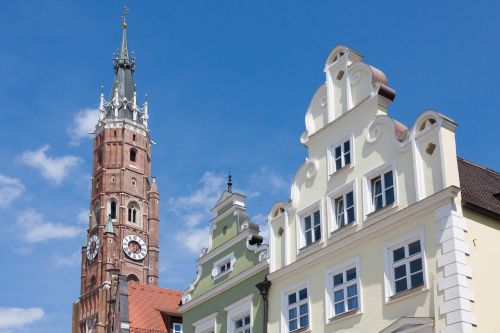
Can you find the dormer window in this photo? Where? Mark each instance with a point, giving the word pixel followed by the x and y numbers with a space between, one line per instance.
pixel 223 266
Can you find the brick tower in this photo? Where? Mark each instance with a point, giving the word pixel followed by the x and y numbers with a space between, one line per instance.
pixel 122 239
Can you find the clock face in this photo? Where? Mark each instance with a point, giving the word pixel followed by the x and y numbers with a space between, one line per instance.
pixel 134 247
pixel 92 247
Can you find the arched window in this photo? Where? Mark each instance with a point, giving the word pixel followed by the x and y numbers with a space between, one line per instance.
pixel 133 213
pixel 132 279
pixel 99 156
pixel 95 217
pixel 133 155
pixel 133 137
pixel 112 210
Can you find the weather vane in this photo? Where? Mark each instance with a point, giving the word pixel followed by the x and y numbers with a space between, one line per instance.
pixel 124 17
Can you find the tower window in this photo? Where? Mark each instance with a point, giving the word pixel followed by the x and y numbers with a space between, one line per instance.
pixel 133 155
pixel 132 279
pixel 133 137
pixel 133 213
pixel 99 157
pixel 113 210
pixel 134 182
pixel 114 133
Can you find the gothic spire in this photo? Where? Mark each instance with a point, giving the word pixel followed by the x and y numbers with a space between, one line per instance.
pixel 123 98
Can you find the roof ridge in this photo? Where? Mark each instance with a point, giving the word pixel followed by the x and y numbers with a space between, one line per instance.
pixel 479 166
pixel 148 286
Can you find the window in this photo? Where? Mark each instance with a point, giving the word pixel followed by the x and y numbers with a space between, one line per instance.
pixel 341 155
pixel 113 210
pixel 177 328
pixel 224 265
pixel 132 279
pixel 311 228
pixel 297 311
pixel 133 137
pixel 345 291
pixel 407 267
pixel 133 213
pixel 382 190
pixel 344 209
pixel 242 325
pixel 133 155
pixel 206 324
pixel 239 315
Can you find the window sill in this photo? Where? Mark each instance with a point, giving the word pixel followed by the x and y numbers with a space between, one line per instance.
pixel 222 274
pixel 303 251
pixel 341 170
pixel 301 330
pixel 373 215
pixel 406 294
pixel 344 229
pixel 345 315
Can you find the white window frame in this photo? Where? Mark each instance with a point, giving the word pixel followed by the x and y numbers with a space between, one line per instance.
pixel 284 306
pixel 176 330
pixel 389 264
pixel 367 187
pixel 332 211
pixel 206 324
pixel 300 218
pixel 237 310
pixel 329 288
pixel 228 259
pixel 332 165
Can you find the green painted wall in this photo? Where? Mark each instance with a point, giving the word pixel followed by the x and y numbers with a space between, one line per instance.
pixel 228 297
pixel 218 236
pixel 245 259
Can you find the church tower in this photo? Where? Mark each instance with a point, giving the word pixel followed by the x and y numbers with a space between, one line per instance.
pixel 122 238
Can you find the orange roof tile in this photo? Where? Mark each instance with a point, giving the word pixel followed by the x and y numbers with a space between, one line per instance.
pixel 146 304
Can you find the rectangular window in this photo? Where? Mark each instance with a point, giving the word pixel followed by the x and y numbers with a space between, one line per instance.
pixel 311 228
pixel 177 328
pixel 345 291
pixel 344 209
pixel 341 155
pixel 382 190
pixel 242 325
pixel 297 309
pixel 225 267
pixel 407 269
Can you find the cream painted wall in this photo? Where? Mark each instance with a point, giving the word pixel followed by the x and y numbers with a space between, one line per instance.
pixel 483 238
pixel 376 314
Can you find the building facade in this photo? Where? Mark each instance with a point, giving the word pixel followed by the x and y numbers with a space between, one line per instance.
pixel 374 236
pixel 224 297
pixel 122 237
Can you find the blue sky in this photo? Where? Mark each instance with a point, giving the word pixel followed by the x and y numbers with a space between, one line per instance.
pixel 228 84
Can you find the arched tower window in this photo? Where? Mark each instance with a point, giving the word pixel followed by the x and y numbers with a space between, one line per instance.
pixel 133 155
pixel 133 213
pixel 95 217
pixel 92 282
pixel 132 279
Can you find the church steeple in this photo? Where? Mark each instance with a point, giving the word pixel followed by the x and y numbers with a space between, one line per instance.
pixel 122 102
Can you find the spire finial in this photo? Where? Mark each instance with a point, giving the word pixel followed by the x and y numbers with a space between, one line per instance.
pixel 229 183
pixel 124 17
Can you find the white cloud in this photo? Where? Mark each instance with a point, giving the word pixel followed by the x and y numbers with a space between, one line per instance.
pixel 35 229
pixel 193 209
pixel 55 169
pixel 71 260
pixel 84 123
pixel 10 190
pixel 261 220
pixel 12 318
pixel 268 180
pixel 193 239
pixel 83 217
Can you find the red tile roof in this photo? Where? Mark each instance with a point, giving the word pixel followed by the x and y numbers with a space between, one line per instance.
pixel 147 303
pixel 480 188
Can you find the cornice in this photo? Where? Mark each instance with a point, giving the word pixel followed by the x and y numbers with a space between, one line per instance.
pixel 371 229
pixel 224 286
